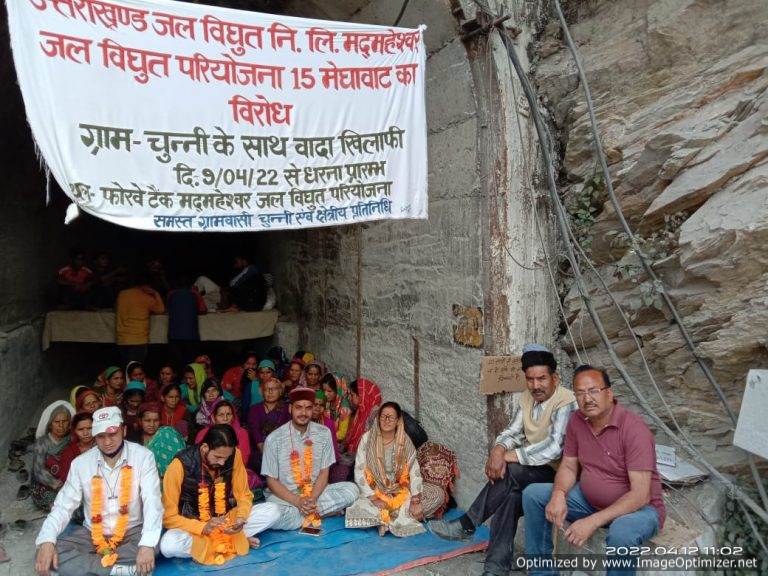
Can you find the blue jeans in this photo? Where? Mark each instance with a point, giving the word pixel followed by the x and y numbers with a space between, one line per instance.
pixel 628 530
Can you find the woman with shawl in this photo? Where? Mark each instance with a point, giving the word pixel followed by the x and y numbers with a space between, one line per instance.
pixel 364 398
pixel 338 472
pixel 85 399
pixel 388 476
pixel 163 441
pixel 337 403
pixel 264 418
pixel 82 441
pixel 194 376
pixel 52 436
pixel 210 395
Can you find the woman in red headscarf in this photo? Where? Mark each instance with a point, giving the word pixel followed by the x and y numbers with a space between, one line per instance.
pixel 364 398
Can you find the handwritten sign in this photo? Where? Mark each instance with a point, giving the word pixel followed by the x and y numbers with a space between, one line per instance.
pixel 666 455
pixel 501 374
pixel 178 116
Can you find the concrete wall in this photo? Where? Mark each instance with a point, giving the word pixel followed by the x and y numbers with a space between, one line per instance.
pixel 31 251
pixel 483 202
pixel 413 272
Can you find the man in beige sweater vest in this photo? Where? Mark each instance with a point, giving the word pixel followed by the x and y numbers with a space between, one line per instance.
pixel 526 452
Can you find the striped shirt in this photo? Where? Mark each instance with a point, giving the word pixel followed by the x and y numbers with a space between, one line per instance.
pixel 544 452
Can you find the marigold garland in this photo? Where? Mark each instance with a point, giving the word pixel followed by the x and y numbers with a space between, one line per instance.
pixel 304 481
pixel 391 503
pixel 107 547
pixel 222 543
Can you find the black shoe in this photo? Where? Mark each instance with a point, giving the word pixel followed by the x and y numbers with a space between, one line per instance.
pixel 450 530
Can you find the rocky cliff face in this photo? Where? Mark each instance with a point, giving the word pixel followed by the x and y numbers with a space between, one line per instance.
pixel 680 89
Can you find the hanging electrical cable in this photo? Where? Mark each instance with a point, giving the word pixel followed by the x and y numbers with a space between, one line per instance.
pixel 544 140
pixel 647 265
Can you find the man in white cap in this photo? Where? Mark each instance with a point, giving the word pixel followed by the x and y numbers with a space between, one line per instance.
pixel 525 453
pixel 118 485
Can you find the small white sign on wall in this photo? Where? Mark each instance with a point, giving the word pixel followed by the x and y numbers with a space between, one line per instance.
pixel 666 455
pixel 752 428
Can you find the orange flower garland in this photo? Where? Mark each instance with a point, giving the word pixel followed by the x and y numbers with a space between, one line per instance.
pixel 392 503
pixel 107 547
pixel 223 546
pixel 304 481
pixel 222 543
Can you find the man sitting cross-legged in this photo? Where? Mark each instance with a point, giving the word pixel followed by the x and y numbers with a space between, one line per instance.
pixel 523 454
pixel 297 457
pixel 612 454
pixel 199 487
pixel 118 485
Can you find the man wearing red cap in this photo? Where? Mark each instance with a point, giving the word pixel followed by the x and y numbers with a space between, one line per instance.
pixel 297 457
pixel 119 487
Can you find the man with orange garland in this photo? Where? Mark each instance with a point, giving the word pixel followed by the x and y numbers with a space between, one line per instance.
pixel 198 488
pixel 296 460
pixel 119 488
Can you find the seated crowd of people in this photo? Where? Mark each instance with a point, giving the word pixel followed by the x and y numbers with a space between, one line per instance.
pixel 201 449
pixel 83 287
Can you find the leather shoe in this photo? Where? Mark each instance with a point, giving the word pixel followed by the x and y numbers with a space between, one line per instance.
pixel 450 530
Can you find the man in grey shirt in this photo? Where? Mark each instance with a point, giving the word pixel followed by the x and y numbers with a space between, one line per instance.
pixel 303 494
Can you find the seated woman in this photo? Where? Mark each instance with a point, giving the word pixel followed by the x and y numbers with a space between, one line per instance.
pixel 236 377
pixel 264 418
pixel 313 374
pixel 166 375
pixel 133 397
pixel 253 390
pixel 388 476
pixel 174 413
pixel 163 441
pixel 194 376
pixel 337 403
pixel 364 400
pixel 85 399
pixel 224 413
pixel 81 441
pixel 295 377
pixel 210 395
pixel 338 472
pixel 52 436
pixel 114 383
pixel 135 372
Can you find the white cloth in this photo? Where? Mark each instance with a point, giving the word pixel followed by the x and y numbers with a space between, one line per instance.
pixel 210 291
pixel 42 425
pixel 177 543
pixel 145 507
pixel 334 499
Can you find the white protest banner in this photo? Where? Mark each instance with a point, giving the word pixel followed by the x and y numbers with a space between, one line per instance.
pixel 164 115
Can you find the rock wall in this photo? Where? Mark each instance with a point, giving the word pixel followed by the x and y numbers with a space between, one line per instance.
pixel 680 95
